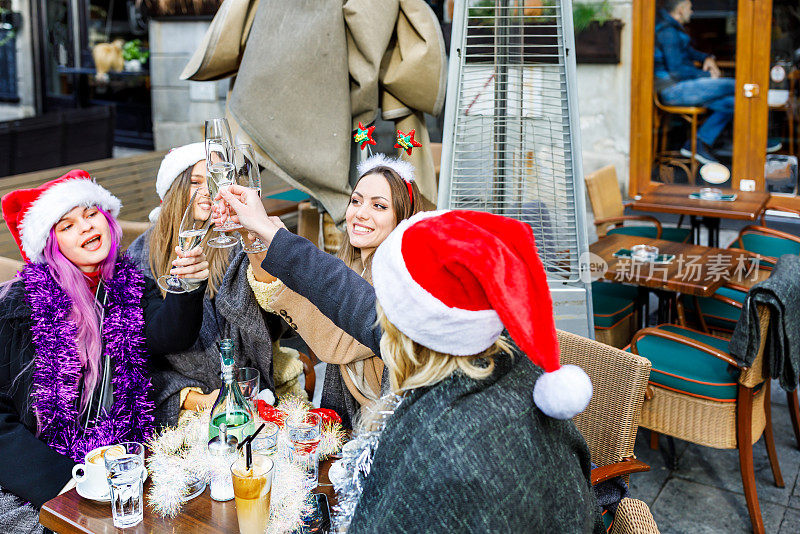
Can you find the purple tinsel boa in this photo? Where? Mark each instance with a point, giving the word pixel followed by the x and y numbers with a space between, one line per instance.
pixel 57 371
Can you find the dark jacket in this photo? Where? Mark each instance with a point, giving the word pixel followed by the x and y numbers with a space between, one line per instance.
pixel 674 55
pixel 340 293
pixel 232 313
pixel 31 469
pixel 464 455
pixel 781 294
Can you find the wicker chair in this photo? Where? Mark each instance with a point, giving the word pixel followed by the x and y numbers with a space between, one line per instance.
pixel 734 423
pixel 610 422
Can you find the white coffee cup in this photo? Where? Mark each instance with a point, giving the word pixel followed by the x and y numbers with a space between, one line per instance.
pixel 91 474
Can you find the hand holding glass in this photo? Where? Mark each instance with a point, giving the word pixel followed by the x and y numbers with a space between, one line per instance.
pixel 194 226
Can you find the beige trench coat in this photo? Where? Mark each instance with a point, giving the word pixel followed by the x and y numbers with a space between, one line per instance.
pixel 308 71
pixel 360 368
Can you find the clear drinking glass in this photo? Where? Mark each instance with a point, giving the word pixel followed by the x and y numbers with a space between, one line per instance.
pixel 194 227
pixel 304 436
pixel 248 175
pixel 266 442
pixel 218 129
pixel 249 380
pixel 221 176
pixel 125 471
pixel 252 489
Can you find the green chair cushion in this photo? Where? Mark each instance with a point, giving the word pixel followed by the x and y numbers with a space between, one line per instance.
pixel 679 235
pixel 294 195
pixel 611 303
pixel 687 370
pixel 719 314
pixel 768 245
pixel 608 519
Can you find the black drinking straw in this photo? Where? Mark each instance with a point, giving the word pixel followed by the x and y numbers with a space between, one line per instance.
pixel 247 444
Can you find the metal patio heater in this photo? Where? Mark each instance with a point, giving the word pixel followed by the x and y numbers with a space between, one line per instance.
pixel 511 137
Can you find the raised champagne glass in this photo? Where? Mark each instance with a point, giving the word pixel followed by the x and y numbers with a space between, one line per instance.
pixel 221 176
pixel 248 175
pixel 219 129
pixel 194 226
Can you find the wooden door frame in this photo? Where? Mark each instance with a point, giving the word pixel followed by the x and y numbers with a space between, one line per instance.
pixel 751 115
pixel 641 162
pixel 754 18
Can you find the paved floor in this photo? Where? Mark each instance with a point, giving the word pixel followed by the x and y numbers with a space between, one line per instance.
pixel 704 494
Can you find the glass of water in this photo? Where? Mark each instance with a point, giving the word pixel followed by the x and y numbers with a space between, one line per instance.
pixel 125 471
pixel 304 436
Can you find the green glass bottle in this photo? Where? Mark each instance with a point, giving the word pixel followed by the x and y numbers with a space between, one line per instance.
pixel 231 407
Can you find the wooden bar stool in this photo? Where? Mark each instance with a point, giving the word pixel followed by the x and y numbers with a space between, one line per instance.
pixel 690 114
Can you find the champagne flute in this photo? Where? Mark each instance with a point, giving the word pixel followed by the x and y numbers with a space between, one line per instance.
pixel 219 129
pixel 194 226
pixel 217 151
pixel 249 176
pixel 221 176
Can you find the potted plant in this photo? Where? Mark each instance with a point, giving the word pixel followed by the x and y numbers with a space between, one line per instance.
pixel 597 33
pixel 182 8
pixel 134 56
pixel 534 33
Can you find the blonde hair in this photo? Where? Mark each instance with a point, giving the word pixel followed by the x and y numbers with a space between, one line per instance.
pixel 164 236
pixel 413 366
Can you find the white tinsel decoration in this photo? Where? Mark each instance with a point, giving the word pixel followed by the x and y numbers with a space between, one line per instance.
pixel 180 455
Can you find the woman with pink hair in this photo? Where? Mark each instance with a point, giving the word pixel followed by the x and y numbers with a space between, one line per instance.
pixel 79 325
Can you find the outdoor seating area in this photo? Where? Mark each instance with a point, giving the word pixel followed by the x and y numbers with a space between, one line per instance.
pixel 705 388
pixel 408 266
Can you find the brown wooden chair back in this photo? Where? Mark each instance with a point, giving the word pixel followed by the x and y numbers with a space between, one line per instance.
pixel 619 379
pixel 604 193
pixel 130 231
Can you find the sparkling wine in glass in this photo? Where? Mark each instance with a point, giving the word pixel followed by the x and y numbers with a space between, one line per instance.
pixel 248 175
pixel 221 176
pixel 194 226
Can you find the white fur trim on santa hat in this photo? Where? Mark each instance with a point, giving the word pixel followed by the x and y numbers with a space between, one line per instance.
pixel 51 205
pixel 420 315
pixel 404 169
pixel 563 393
pixel 175 162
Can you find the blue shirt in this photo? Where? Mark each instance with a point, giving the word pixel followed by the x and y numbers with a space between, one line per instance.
pixel 674 57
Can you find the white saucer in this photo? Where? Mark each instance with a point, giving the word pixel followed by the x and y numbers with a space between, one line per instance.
pixel 99 498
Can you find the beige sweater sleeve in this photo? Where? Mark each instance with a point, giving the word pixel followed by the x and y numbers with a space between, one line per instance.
pixel 330 343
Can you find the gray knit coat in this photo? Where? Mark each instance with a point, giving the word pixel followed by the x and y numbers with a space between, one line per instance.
pixel 232 313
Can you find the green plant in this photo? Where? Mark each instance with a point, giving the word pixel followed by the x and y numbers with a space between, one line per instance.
pixel 584 13
pixel 483 13
pixel 133 50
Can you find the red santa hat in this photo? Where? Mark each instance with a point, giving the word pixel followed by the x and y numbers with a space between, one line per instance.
pixel 31 213
pixel 452 280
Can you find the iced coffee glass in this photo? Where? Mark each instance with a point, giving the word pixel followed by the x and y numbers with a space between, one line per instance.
pixel 252 488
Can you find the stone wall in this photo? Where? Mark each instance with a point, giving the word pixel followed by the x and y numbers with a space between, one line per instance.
pixel 604 102
pixel 180 107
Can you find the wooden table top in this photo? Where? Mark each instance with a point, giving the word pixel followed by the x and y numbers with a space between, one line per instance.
pixel 674 198
pixel 696 270
pixel 70 513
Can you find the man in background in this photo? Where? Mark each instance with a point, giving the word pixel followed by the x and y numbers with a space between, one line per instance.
pixel 680 82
